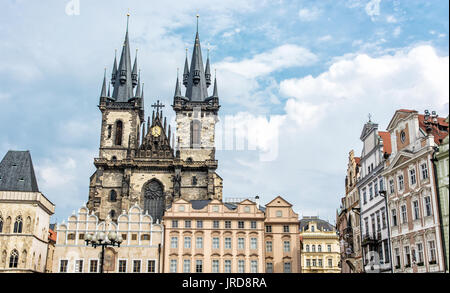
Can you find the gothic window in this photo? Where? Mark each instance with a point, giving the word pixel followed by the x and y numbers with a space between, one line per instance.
pixel 118 140
pixel 113 196
pixel 112 214
pixel 194 180
pixel 154 199
pixel 14 259
pixel 1 224
pixel 195 133
pixel 18 225
pixel 24 258
pixel 8 225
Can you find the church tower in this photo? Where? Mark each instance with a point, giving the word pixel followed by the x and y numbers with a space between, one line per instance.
pixel 137 162
pixel 196 117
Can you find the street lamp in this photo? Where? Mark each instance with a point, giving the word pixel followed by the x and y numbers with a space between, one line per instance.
pixel 383 193
pixel 103 240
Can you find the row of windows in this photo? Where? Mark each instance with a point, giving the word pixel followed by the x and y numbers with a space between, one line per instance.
pixel 377 225
pixel 227 266
pixel 215 242
pixel 121 266
pixel 412 178
pixel 71 236
pixel 14 258
pixel 415 254
pixel 373 188
pixel 216 224
pixel 416 211
pixel 319 248
pixel 18 225
pixel 318 263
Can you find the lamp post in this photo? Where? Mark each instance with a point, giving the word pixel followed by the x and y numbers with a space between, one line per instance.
pixel 383 194
pixel 103 240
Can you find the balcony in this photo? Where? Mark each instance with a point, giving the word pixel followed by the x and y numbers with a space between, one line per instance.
pixel 369 239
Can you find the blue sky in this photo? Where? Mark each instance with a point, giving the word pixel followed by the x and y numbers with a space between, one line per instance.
pixel 303 75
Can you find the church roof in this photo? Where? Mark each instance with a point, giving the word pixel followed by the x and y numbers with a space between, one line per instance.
pixel 17 172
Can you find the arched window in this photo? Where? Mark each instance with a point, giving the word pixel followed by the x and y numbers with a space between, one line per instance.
pixel 307 247
pixel 118 140
pixel 109 131
pixel 18 225
pixel 154 199
pixel 319 248
pixel 196 127
pixel 113 196
pixel 1 224
pixel 14 259
pixel 112 214
pixel 8 225
pixel 313 248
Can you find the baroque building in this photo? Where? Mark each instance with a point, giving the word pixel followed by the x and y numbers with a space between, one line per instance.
pixel 320 251
pixel 374 226
pixel 348 220
pixel 24 216
pixel 412 194
pixel 144 163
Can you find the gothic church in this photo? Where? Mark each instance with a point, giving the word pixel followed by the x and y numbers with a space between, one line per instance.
pixel 145 163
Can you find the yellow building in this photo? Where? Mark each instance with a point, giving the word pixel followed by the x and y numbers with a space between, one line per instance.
pixel 320 246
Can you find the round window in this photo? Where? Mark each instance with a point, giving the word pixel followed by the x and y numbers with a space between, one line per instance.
pixel 403 136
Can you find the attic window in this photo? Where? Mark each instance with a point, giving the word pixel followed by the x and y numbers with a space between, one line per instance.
pixel 14 165
pixel 21 179
pixel 403 136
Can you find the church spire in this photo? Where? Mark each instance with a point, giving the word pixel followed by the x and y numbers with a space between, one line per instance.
pixel 138 88
pixel 103 93
pixel 177 88
pixel 186 70
pixel 215 94
pixel 196 89
pixel 208 72
pixel 134 74
pixel 123 90
pixel 114 69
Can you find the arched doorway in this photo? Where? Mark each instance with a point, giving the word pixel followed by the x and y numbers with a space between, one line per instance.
pixel 154 199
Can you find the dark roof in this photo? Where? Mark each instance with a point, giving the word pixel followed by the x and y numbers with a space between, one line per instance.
pixel 321 224
pixel 196 91
pixel 17 172
pixel 199 204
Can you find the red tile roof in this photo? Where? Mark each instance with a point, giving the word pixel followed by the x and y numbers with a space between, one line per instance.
pixel 439 135
pixel 386 137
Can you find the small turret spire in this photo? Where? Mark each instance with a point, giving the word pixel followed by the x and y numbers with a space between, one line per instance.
pixel 138 88
pixel 114 69
pixel 134 72
pixel 208 72
pixel 177 87
pixel 186 70
pixel 215 93
pixel 103 93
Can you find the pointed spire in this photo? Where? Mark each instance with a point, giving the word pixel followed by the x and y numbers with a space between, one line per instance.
pixel 215 94
pixel 142 97
pixel 138 88
pixel 208 72
pixel 168 135
pixel 123 90
pixel 134 74
pixel 109 90
pixel 186 70
pixel 103 93
pixel 196 89
pixel 177 88
pixel 114 69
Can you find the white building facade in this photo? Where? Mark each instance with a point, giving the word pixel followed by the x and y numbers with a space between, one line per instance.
pixel 374 226
pixel 140 251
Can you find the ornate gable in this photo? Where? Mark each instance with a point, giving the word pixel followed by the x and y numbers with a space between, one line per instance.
pixel 156 140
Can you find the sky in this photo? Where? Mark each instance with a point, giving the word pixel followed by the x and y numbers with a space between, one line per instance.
pixel 296 80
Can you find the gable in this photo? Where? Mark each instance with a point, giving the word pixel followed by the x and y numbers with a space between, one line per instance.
pixel 278 202
pixel 399 159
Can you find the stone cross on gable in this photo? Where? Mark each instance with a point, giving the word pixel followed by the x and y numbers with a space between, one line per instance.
pixel 158 105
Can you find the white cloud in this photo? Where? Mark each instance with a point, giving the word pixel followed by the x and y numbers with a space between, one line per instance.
pixel 413 78
pixel 325 38
pixel 231 33
pixel 306 14
pixel 373 8
pixel 397 31
pixel 285 56
pixel 391 19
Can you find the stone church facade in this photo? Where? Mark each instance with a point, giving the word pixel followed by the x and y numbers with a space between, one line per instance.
pixel 144 163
